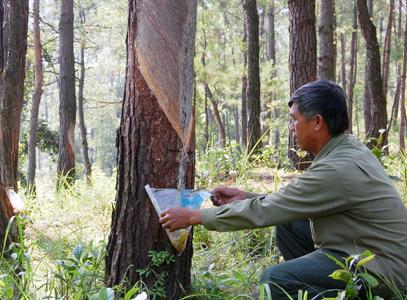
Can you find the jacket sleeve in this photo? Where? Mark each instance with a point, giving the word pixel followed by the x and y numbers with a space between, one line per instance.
pixel 316 192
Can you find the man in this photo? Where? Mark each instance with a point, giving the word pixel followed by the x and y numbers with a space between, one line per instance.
pixel 342 205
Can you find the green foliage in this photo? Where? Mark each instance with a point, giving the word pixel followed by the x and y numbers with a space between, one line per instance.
pixel 80 273
pixel 158 260
pixel 353 273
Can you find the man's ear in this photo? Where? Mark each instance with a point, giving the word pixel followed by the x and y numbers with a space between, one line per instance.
pixel 318 121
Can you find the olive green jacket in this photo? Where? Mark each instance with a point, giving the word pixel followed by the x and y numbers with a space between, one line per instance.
pixel 349 199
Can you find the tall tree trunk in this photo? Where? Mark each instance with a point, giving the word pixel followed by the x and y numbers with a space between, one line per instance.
pixel 253 74
pixel 67 106
pixel 13 41
pixel 237 124
pixel 32 141
pixel 149 151
pixel 13 38
pixel 214 102
pixel 367 100
pixel 302 59
pixel 82 127
pixel 387 49
pixel 393 116
pixel 327 45
pixel 352 70
pixel 379 114
pixel 244 85
pixel 271 35
pixel 343 60
pixel 216 113
pixel 403 93
pixel 206 120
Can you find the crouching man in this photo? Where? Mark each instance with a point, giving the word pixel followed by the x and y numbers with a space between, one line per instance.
pixel 343 204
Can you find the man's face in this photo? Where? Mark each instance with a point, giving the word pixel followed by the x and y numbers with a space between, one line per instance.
pixel 302 128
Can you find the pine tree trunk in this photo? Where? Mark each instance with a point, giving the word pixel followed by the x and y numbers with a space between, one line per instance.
pixel 32 141
pixel 271 39
pixel 237 123
pixel 403 94
pixel 253 74
pixel 13 38
pixel 352 69
pixel 387 49
pixel 367 100
pixel 302 59
pixel 343 60
pixel 327 45
pixel 82 127
pixel 148 152
pixel 67 106
pixel 379 114
pixel 81 100
pixel 244 85
pixel 218 119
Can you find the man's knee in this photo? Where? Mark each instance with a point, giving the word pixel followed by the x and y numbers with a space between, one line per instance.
pixel 277 278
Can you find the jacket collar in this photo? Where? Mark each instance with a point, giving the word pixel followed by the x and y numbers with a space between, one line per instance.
pixel 332 143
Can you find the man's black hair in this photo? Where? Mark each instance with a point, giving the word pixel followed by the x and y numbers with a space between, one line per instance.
pixel 325 98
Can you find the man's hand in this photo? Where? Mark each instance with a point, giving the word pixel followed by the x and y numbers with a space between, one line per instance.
pixel 180 217
pixel 225 195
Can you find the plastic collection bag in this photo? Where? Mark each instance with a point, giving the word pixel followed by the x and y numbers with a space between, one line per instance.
pixel 163 199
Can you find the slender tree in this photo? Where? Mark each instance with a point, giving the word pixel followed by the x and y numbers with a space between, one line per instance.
pixel 244 84
pixel 148 143
pixel 327 45
pixel 387 48
pixel 32 141
pixel 302 58
pixel 367 101
pixel 352 69
pixel 67 106
pixel 379 114
pixel 81 115
pixel 217 115
pixel 403 93
pixel 253 74
pixel 271 35
pixel 343 60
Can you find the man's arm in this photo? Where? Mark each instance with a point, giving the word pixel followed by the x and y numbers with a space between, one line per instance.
pixel 178 218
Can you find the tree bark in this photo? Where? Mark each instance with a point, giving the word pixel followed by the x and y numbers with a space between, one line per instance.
pixel 352 70
pixel 379 114
pixel 302 59
pixel 327 45
pixel 32 141
pixel 149 151
pixel 403 94
pixel 67 107
pixel 13 41
pixel 253 74
pixel 13 38
pixel 82 126
pixel 387 49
